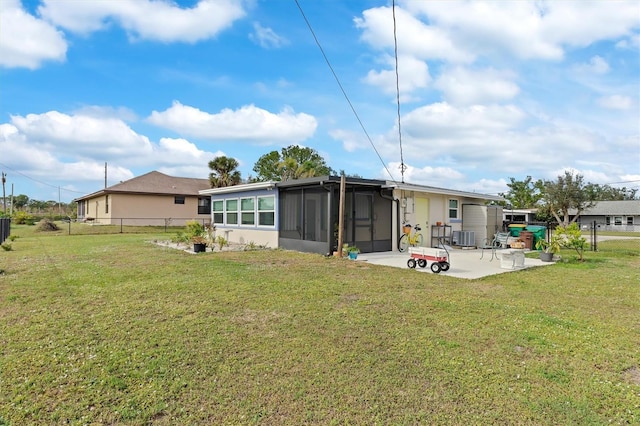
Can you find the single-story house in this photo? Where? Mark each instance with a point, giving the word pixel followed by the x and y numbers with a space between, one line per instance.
pixel 623 215
pixel 151 199
pixel 304 214
pixel 519 215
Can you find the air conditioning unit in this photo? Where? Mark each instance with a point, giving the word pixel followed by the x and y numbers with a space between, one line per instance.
pixel 464 238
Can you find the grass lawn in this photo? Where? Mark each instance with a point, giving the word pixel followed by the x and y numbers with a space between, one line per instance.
pixel 111 329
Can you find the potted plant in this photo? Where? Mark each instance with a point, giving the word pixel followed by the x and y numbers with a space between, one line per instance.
pixel 352 252
pixel 548 248
pixel 197 235
pixel 199 243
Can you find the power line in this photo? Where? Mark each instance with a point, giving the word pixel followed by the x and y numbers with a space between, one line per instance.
pixel 395 44
pixel 344 93
pixel 39 181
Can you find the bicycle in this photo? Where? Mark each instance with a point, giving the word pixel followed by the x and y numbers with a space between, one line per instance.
pixel 411 237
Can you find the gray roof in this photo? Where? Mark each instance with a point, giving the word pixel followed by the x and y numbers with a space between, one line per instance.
pixel 611 208
pixel 154 183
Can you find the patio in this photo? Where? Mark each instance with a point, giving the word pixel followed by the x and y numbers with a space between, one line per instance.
pixel 464 263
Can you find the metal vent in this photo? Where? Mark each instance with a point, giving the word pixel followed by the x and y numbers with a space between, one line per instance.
pixel 464 238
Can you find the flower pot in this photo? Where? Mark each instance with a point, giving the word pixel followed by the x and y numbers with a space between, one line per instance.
pixel 546 257
pixel 199 247
pixel 353 255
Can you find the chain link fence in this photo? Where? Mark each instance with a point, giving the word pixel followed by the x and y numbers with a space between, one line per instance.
pixel 124 225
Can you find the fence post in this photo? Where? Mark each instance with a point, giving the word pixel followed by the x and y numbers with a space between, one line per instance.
pixel 595 236
pixel 121 225
pixel 5 228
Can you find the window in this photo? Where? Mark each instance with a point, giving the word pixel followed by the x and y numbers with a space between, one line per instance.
pixel 247 209
pixel 178 199
pixel 266 211
pixel 453 209
pixel 106 204
pixel 231 212
pixel 607 220
pixel 617 220
pixel 204 205
pixel 629 220
pixel 218 211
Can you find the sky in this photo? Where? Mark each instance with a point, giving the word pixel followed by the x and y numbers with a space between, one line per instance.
pixel 485 91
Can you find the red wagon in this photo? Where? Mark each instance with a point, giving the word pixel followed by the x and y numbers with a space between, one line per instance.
pixel 420 256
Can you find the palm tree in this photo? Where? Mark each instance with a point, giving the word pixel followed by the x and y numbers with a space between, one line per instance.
pixel 224 172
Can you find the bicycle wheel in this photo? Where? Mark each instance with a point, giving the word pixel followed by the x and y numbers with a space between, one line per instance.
pixel 417 240
pixel 403 243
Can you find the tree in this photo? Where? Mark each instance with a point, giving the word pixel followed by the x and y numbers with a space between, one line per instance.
pixel 224 172
pixel 565 194
pixel 293 162
pixel 608 193
pixel 524 194
pixel 20 201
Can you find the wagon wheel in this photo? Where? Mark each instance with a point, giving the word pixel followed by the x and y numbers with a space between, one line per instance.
pixel 411 263
pixel 422 263
pixel 435 268
pixel 445 266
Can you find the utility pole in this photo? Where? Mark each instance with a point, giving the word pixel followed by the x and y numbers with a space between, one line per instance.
pixel 4 195
pixel 105 174
pixel 341 214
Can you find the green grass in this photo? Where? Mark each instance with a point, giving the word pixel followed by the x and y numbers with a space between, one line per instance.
pixel 111 329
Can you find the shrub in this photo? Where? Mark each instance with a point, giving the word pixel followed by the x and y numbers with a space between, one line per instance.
pixel 23 218
pixel 572 239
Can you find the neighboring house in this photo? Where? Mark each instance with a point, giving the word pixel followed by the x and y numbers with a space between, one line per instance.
pixel 304 214
pixel 151 199
pixel 621 215
pixel 519 215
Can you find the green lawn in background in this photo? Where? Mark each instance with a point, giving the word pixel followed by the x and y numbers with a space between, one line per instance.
pixel 112 329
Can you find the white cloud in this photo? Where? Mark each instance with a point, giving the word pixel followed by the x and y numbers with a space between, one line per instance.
pixel 633 42
pixel 351 141
pixel 596 65
pixel 266 37
pixel 75 147
pixel 26 41
pixel 412 75
pixel 145 19
pixel 463 86
pixel 415 38
pixel 81 134
pixel 247 123
pixel 528 29
pixel 616 102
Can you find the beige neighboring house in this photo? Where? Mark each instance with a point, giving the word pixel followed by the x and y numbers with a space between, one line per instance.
pixel 151 199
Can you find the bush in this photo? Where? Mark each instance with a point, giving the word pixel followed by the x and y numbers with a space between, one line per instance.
pixel 23 218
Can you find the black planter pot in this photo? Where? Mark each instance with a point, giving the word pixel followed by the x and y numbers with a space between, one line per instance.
pixel 546 257
pixel 199 247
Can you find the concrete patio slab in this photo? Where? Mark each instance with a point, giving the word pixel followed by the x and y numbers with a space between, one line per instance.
pixel 464 263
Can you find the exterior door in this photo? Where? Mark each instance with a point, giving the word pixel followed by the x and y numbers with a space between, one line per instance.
pixel 422 218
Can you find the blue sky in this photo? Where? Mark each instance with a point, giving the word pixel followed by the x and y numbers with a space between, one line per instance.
pixel 488 90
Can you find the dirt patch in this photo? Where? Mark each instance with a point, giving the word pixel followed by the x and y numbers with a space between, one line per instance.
pixel 632 375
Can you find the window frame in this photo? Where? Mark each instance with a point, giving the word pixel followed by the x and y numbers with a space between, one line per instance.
pixel 455 209
pixel 227 211
pixel 215 212
pixel 204 205
pixel 260 211
pixel 249 212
